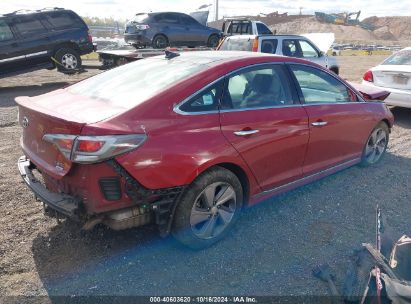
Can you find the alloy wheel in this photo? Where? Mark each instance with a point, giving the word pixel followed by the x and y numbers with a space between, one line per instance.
pixel 69 61
pixel 376 145
pixel 213 210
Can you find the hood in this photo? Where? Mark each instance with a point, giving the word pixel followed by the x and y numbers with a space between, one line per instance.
pixel 322 40
pixel 201 17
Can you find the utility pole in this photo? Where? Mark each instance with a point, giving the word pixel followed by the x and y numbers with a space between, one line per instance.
pixel 216 10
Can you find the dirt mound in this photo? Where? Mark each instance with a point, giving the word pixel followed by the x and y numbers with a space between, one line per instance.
pixel 311 25
pixel 399 27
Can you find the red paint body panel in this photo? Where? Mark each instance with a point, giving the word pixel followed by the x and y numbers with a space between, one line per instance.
pixel 343 137
pixel 276 153
pixel 180 147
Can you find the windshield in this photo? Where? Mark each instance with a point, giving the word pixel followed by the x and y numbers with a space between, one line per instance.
pixel 399 58
pixel 133 83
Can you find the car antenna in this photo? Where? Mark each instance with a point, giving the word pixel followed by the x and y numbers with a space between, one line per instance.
pixel 171 55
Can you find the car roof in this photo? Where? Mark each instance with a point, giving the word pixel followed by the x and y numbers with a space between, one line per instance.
pixel 33 12
pixel 219 57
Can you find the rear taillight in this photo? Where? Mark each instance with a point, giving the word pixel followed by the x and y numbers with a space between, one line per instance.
pixel 255 45
pixel 90 38
pixel 368 76
pixel 94 149
pixel 142 27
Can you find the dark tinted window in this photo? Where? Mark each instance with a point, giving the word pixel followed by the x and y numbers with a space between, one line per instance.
pixel 205 101
pixel 263 30
pixel 63 20
pixel 240 28
pixel 319 87
pixel 269 46
pixel 28 25
pixel 187 20
pixel 5 32
pixel 167 18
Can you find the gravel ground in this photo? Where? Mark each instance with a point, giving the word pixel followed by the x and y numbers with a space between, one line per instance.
pixel 271 251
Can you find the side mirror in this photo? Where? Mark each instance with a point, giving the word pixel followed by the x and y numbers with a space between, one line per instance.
pixel 321 54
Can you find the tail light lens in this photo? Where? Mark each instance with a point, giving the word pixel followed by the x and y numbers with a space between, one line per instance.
pixel 368 76
pixel 90 38
pixel 255 45
pixel 142 27
pixel 94 149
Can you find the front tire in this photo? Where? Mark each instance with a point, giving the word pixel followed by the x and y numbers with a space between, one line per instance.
pixel 68 60
pixel 208 209
pixel 376 145
pixel 213 41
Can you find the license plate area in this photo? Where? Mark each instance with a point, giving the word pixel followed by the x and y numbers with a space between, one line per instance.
pixel 401 79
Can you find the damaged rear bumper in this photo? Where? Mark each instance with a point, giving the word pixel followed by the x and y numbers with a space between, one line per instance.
pixel 62 203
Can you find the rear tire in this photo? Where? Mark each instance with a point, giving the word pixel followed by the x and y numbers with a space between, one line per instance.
pixel 208 208
pixel 160 42
pixel 376 145
pixel 213 41
pixel 68 60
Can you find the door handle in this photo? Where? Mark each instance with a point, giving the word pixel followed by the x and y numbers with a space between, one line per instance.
pixel 319 123
pixel 246 132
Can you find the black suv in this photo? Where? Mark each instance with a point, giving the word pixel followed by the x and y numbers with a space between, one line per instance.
pixel 31 40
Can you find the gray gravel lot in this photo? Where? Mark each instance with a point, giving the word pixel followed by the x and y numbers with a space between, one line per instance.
pixel 270 252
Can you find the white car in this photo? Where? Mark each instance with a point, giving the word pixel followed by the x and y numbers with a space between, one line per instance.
pixel 394 76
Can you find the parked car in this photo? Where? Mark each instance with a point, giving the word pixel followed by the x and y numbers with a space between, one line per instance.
pixel 244 26
pixel 30 40
pixel 186 141
pixel 161 30
pixel 287 45
pixel 393 75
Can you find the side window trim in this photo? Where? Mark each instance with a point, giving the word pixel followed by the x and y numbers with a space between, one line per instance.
pixel 224 78
pixel 329 73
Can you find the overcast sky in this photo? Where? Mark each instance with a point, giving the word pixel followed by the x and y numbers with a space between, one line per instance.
pixel 124 9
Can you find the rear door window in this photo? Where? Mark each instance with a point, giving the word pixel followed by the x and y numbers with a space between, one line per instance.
pixel 27 26
pixel 61 20
pixel 170 18
pixel 291 48
pixel 5 31
pixel 269 46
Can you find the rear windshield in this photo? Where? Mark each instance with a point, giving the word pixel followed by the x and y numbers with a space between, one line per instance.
pixel 139 18
pixel 399 58
pixel 129 85
pixel 230 44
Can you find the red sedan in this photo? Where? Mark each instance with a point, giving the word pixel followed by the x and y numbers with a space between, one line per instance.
pixel 186 141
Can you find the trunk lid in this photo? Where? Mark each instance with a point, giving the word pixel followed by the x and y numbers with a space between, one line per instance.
pixel 392 76
pixel 58 112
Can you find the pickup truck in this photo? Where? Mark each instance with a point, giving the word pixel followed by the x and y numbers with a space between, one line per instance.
pixel 286 45
pixel 244 26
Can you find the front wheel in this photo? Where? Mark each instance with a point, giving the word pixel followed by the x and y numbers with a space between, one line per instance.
pixel 213 41
pixel 208 208
pixel 376 145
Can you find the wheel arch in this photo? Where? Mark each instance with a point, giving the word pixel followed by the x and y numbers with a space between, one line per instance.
pixel 389 124
pixel 66 45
